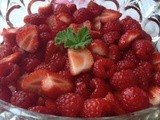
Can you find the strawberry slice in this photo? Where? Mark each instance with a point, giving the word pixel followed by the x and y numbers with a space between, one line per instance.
pixel 64 17
pixel 154 95
pixel 127 38
pixel 32 82
pixel 11 58
pixel 97 25
pixel 27 38
pixel 81 60
pixel 55 85
pixel 109 15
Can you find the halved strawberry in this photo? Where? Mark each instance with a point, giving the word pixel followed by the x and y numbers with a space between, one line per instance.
pixel 64 17
pixel 99 47
pixel 87 24
pixel 97 25
pixel 109 15
pixel 127 38
pixel 54 85
pixel 81 60
pixel 154 95
pixel 14 57
pixel 27 38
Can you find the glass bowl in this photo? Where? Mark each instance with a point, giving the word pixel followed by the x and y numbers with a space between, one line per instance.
pixel 146 12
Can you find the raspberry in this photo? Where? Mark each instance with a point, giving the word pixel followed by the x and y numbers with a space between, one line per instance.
pixel 82 89
pixel 45 10
pixel 44 38
pixel 143 48
pixel 72 8
pixel 95 107
pixel 99 88
pixel 69 104
pixel 111 37
pixel 5 93
pixel 123 79
pixel 44 28
pixel 46 66
pixel 124 64
pixel 35 19
pixel 5 51
pixel 94 8
pixel 40 109
pixel 50 104
pixel 157 78
pixel 23 99
pixel 81 15
pixel 29 64
pixel 12 73
pixel 112 26
pixel 134 99
pixel 59 8
pixel 114 52
pixel 103 68
pixel 129 23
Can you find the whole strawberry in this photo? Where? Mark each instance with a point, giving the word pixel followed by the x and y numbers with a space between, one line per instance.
pixel 23 99
pixel 134 99
pixel 69 104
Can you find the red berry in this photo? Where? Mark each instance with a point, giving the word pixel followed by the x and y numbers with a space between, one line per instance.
pixel 111 37
pixel 157 78
pixel 44 28
pixel 5 51
pixel 23 99
pixel 72 8
pixel 143 49
pixel 103 68
pixel 45 10
pixel 69 104
pixel 40 109
pixel 5 93
pixel 61 7
pixel 35 19
pixel 123 79
pixel 134 99
pixel 129 23
pixel 46 66
pixel 99 88
pixel 81 15
pixel 94 8
pixel 114 52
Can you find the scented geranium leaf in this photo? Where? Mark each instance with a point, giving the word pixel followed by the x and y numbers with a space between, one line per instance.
pixel 74 40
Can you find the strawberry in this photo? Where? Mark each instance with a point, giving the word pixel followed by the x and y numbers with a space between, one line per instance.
pixel 69 104
pixel 111 37
pixel 99 47
pixel 96 23
pixel 51 105
pixel 45 10
pixel 99 88
pixel 111 26
pixel 157 67
pixel 14 57
pixel 134 99
pixel 154 93
pixel 127 38
pixel 87 24
pixel 64 17
pixel 103 68
pixel 40 109
pixel 23 99
pixel 123 79
pixel 72 8
pixel 95 107
pixel 143 49
pixel 116 107
pixel 35 19
pixel 32 82
pixel 94 8
pixel 95 34
pixel 108 15
pixel 128 23
pixel 27 38
pixel 81 15
pixel 5 93
pixel 54 85
pixel 81 60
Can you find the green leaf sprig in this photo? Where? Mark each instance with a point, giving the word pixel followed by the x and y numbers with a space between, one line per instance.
pixel 74 40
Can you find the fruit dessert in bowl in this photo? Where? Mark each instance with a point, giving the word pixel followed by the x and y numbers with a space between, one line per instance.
pixel 79 60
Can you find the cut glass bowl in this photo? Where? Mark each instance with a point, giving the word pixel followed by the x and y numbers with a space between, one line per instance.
pixel 147 12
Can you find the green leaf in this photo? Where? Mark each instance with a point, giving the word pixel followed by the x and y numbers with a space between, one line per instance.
pixel 74 40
